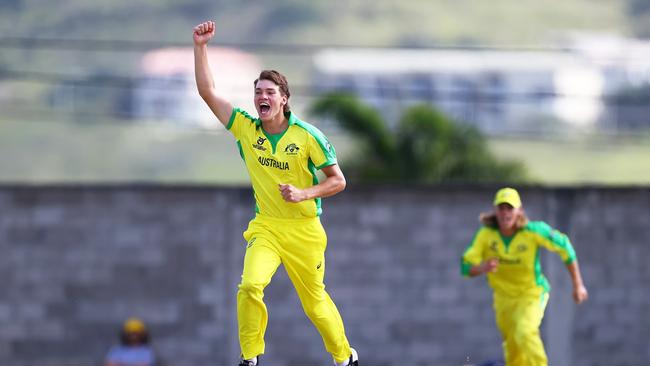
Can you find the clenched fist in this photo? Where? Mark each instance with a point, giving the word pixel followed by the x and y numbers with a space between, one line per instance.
pixel 203 33
pixel 291 194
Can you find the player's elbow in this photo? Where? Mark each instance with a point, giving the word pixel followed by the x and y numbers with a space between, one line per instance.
pixel 205 92
pixel 340 183
pixel 335 185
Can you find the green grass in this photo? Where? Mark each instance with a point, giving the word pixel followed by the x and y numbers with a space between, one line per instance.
pixel 581 161
pixel 56 151
pixel 116 152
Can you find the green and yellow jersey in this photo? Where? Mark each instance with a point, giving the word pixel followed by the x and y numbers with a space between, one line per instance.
pixel 519 271
pixel 291 157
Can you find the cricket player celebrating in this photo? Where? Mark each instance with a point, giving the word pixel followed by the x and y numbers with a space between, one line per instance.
pixel 506 248
pixel 282 154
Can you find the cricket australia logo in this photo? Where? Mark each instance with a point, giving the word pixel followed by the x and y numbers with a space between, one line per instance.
pixel 493 246
pixel 260 142
pixel 291 149
pixel 521 248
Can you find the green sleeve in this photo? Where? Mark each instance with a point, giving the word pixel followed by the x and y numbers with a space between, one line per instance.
pixel 473 254
pixel 553 240
pixel 321 151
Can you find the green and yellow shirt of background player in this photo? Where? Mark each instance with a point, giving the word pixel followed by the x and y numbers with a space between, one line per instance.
pixel 519 272
pixel 291 157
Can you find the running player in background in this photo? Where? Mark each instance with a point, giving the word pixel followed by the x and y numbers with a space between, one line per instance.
pixel 282 154
pixel 506 249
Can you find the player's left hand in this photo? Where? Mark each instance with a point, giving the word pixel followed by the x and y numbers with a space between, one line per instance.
pixel 580 294
pixel 291 193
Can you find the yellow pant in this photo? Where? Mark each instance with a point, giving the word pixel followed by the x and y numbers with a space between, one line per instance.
pixel 518 320
pixel 300 246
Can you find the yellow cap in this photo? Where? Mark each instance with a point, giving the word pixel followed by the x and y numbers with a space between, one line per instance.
pixel 134 325
pixel 509 196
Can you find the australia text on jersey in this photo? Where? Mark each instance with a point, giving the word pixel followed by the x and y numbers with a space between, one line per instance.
pixel 270 162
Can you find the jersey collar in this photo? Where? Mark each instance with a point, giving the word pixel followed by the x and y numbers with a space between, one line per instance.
pixel 292 118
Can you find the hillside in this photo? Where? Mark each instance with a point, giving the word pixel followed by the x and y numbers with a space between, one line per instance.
pixel 361 22
pixel 290 22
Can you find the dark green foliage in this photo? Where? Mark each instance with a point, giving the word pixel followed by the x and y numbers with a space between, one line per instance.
pixel 426 147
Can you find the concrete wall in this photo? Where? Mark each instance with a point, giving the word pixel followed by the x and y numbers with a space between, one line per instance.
pixel 76 261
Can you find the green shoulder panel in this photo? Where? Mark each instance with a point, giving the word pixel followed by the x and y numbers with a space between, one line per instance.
pixel 559 241
pixel 328 149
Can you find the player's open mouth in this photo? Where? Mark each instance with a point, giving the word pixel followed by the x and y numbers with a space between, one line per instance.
pixel 264 107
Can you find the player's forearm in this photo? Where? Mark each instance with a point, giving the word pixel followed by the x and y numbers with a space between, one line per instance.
pixel 202 72
pixel 574 272
pixel 486 266
pixel 329 187
pixel 476 270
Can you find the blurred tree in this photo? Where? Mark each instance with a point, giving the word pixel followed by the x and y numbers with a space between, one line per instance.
pixel 426 147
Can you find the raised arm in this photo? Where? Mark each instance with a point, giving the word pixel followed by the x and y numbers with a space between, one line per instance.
pixel 221 107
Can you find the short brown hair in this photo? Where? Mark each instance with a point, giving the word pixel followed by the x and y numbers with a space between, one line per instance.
pixel 278 79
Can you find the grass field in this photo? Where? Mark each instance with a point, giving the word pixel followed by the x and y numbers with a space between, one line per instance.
pixel 116 152
pixel 46 152
pixel 588 160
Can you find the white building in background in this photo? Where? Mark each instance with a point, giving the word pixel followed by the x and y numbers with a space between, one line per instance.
pixel 168 89
pixel 625 62
pixel 495 90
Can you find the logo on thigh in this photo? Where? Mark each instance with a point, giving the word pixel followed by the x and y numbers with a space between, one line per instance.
pixel 250 243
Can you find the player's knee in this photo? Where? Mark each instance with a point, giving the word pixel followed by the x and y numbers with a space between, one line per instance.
pixel 523 335
pixel 316 311
pixel 250 288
